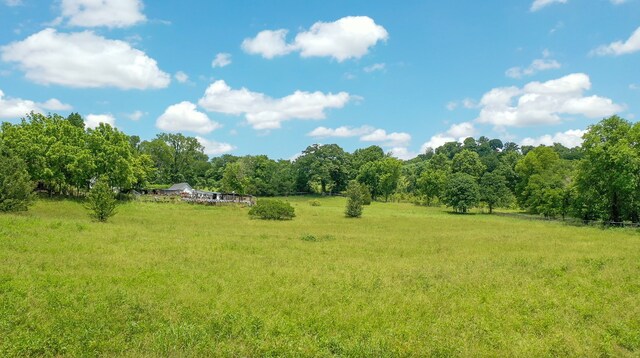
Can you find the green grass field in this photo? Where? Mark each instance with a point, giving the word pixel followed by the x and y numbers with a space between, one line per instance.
pixel 184 280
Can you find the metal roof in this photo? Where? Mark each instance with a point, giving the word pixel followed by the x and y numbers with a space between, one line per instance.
pixel 180 186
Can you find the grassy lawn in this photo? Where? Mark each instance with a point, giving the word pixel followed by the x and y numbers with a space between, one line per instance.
pixel 184 280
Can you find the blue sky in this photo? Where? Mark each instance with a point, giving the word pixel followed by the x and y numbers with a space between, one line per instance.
pixel 272 77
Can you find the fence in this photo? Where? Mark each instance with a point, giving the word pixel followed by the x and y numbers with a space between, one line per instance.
pixel 573 221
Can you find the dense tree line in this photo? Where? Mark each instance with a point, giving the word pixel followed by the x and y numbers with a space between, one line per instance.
pixel 598 181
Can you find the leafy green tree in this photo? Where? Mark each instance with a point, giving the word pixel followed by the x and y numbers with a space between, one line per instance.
pixel 101 200
pixel 363 156
pixel 355 200
pixel 76 120
pixel 494 191
pixel 470 144
pixel 507 168
pixel 16 188
pixel 468 162
pixel 323 165
pixel 432 183
pixel 608 179
pixel 461 192
pixel 114 157
pixel 233 179
pixel 544 178
pixel 449 149
pixel 178 158
pixel 510 147
pixel 496 144
pixel 283 180
pixel 381 176
pixel 54 150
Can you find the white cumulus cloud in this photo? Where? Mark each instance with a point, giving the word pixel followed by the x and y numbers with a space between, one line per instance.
pixel 93 120
pixel 136 115
pixel 347 38
pixel 14 108
pixel 181 77
pixel 268 44
pixel 97 13
pixel 395 139
pixel 456 132
pixel 538 65
pixel 221 60
pixel 84 60
pixel 571 138
pixel 398 141
pixel 212 147
pixel 264 112
pixel 340 132
pixel 402 153
pixel 366 134
pixel 631 45
pixel 539 4
pixel 539 103
pixel 185 117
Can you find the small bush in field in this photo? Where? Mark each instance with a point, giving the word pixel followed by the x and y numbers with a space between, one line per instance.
pixel 366 195
pixel 354 200
pixel 101 200
pixel 272 210
pixel 314 202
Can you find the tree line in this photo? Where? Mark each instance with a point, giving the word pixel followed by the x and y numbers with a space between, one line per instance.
pixel 599 180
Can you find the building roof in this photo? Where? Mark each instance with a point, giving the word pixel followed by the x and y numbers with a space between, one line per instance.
pixel 180 186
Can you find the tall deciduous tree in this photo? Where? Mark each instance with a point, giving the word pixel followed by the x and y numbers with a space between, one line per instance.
pixel 461 192
pixel 325 166
pixel 544 179
pixel 16 188
pixel 494 191
pixel 114 157
pixel 381 176
pixel 468 162
pixel 608 179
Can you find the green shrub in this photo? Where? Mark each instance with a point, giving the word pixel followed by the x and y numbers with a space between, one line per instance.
pixel 272 209
pixel 366 195
pixel 354 200
pixel 101 200
pixel 314 202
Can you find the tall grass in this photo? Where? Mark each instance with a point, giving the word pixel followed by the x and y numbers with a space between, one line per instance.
pixel 179 279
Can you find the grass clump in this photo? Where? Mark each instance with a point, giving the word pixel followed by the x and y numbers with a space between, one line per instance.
pixel 272 209
pixel 314 202
pixel 314 238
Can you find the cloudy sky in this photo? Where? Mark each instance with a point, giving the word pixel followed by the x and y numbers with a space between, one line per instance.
pixel 271 77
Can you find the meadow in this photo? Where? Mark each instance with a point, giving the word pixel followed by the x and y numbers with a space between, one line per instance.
pixel 185 280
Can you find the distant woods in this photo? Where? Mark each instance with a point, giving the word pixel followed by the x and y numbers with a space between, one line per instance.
pixel 598 181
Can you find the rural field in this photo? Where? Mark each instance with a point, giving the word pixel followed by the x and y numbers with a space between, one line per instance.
pixel 185 280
